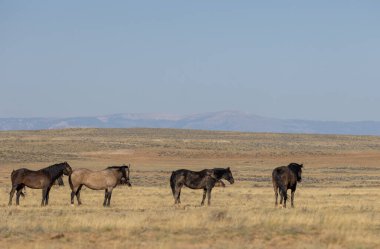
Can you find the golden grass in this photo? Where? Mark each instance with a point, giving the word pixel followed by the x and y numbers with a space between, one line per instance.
pixel 337 204
pixel 238 218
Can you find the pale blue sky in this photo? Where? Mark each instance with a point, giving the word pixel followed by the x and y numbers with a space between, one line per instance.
pixel 288 59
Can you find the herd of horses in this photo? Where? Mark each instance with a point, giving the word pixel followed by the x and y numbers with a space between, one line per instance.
pixel 283 178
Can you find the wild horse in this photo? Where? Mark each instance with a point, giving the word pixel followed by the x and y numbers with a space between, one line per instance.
pixel 40 179
pixel 106 179
pixel 204 179
pixel 284 178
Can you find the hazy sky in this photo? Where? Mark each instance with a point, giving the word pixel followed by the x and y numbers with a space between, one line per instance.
pixel 287 59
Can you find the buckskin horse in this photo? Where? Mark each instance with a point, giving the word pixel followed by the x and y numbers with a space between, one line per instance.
pixel 204 179
pixel 284 178
pixel 106 179
pixel 40 179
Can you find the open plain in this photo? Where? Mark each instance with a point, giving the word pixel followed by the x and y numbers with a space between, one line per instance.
pixel 337 205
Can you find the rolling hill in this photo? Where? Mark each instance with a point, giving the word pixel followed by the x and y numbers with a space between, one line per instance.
pixel 225 120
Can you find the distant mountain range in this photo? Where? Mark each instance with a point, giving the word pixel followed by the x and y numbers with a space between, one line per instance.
pixel 225 120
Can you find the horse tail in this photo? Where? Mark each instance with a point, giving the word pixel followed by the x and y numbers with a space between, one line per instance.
pixel 13 174
pixel 71 183
pixel 172 183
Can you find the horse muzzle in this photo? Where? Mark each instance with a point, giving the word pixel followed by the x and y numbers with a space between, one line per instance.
pixel 124 181
pixel 231 181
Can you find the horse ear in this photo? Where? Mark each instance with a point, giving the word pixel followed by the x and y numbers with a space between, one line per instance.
pixel 228 168
pixel 302 165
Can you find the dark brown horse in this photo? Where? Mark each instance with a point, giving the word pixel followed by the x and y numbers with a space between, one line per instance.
pixel 106 179
pixel 40 179
pixel 58 182
pixel 204 179
pixel 284 178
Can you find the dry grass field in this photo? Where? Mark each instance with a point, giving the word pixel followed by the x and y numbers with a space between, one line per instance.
pixel 337 204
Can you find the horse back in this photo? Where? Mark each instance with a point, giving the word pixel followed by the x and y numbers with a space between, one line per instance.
pixel 284 176
pixel 95 180
pixel 191 179
pixel 30 178
pixel 21 173
pixel 280 176
pixel 78 175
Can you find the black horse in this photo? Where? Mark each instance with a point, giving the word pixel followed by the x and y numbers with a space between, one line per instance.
pixel 40 179
pixel 284 178
pixel 204 179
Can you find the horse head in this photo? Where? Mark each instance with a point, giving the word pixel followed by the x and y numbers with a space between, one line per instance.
pixel 125 175
pixel 228 176
pixel 297 170
pixel 67 170
pixel 220 173
pixel 299 173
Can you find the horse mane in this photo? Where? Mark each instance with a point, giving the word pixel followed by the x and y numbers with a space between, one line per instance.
pixel 54 170
pixel 117 167
pixel 219 172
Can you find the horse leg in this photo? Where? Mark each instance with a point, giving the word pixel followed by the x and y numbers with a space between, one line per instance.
pixel 11 194
pixel 177 194
pixel 47 196
pixel 275 196
pixel 204 196
pixel 105 197
pixel 19 192
pixel 44 191
pixel 23 193
pixel 285 198
pixel 292 197
pixel 109 197
pixel 18 197
pixel 72 197
pixel 179 197
pixel 209 196
pixel 78 195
